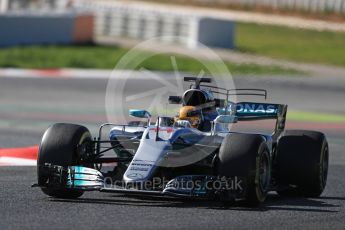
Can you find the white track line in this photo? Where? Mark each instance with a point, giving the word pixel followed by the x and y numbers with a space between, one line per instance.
pixel 75 73
pixel 14 161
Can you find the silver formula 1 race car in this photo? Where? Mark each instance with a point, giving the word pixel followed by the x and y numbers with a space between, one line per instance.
pixel 192 155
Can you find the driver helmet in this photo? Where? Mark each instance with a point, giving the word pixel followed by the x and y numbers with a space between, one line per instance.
pixel 191 114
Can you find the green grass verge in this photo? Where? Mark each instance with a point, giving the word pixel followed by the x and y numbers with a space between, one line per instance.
pixel 315 117
pixel 275 41
pixel 102 57
pixel 292 44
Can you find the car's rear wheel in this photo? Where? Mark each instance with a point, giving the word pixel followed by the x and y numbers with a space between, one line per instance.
pixel 247 156
pixel 302 163
pixel 59 147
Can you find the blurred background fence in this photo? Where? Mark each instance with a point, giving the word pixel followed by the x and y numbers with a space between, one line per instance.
pixel 336 6
pixel 171 26
pixel 116 19
pixel 132 22
pixel 32 4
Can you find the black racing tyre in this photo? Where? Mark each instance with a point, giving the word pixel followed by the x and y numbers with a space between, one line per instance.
pixel 59 147
pixel 302 163
pixel 247 155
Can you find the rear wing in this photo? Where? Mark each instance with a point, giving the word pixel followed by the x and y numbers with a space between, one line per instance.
pixel 236 92
pixel 246 111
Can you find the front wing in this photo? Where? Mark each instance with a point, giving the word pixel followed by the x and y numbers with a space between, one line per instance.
pixel 186 186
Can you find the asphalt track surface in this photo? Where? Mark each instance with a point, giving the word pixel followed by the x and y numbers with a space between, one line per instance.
pixel 28 106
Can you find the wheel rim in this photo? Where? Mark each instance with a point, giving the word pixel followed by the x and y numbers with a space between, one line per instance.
pixel 324 166
pixel 264 172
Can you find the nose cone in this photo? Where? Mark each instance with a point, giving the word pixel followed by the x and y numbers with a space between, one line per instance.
pixel 145 160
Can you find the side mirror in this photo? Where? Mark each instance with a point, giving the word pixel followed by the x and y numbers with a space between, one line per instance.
pixel 225 119
pixel 139 113
pixel 221 123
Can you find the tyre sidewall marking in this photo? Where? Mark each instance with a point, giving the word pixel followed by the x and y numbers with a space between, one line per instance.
pixel 322 180
pixel 260 194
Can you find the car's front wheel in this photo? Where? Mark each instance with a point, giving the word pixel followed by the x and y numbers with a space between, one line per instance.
pixel 59 147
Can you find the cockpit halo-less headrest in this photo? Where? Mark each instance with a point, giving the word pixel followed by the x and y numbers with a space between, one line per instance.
pixel 195 97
